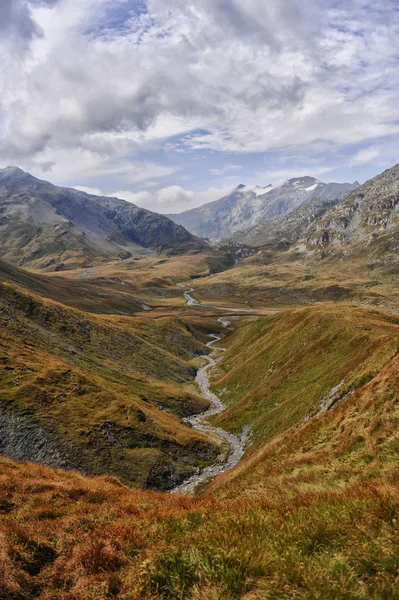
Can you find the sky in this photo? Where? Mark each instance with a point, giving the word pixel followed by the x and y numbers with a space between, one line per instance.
pixel 172 103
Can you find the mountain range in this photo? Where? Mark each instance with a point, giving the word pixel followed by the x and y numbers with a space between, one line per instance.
pixel 285 229
pixel 54 228
pixel 247 206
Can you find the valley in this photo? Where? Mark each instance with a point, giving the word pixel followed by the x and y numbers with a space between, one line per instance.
pixel 235 444
pixel 189 424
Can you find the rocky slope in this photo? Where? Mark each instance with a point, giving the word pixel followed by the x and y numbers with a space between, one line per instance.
pixel 349 252
pixel 246 206
pixel 49 227
pixel 366 221
pixel 283 230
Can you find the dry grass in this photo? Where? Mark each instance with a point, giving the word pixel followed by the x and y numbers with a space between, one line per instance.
pixel 277 370
pixel 108 392
pixel 69 537
pixel 313 513
pixel 288 278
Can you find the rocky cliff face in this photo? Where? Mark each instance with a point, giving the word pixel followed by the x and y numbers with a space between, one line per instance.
pixel 286 229
pixel 366 218
pixel 247 206
pixel 42 225
pixel 22 438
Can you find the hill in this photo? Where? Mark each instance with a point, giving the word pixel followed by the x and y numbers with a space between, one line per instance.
pixel 247 206
pixel 291 366
pixel 104 395
pixel 311 511
pixel 97 295
pixel 43 226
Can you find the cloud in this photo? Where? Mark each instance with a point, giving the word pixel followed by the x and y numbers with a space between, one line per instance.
pixel 365 156
pixel 172 199
pixel 88 87
pixel 17 24
pixel 225 169
pixel 89 190
pixel 69 166
pixel 259 21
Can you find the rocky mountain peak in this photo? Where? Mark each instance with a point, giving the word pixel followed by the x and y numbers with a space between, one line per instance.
pixel 369 215
pixel 248 205
pixel 12 173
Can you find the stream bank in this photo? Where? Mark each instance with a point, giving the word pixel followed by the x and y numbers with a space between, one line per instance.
pixel 236 443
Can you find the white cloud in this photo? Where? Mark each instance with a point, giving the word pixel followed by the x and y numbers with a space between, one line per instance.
pixel 72 165
pixel 89 190
pixel 80 96
pixel 225 169
pixel 365 156
pixel 173 199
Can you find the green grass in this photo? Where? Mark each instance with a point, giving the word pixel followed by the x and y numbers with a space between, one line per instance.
pixel 277 371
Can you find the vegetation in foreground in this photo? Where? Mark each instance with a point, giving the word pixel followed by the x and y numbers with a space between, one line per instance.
pixel 67 537
pixel 310 512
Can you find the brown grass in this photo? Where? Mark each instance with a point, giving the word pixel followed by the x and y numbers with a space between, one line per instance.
pixel 69 537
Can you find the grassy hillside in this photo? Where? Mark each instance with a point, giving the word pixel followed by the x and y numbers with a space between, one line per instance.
pixel 286 278
pixel 281 369
pixel 109 296
pixel 311 511
pixel 346 447
pixel 104 397
pixel 68 537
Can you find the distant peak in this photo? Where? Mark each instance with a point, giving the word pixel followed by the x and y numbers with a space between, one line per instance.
pixel 12 173
pixel 304 179
pixel 240 187
pixel 12 169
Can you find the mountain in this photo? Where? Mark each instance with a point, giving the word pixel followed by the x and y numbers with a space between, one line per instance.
pixel 366 221
pixel 285 229
pixel 347 251
pixel 50 227
pixel 246 206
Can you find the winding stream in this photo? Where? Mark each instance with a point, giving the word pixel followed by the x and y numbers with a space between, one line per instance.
pixel 236 443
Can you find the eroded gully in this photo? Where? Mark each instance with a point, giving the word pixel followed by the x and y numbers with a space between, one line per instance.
pixel 235 443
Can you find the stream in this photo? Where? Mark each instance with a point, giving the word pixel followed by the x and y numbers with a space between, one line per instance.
pixel 236 443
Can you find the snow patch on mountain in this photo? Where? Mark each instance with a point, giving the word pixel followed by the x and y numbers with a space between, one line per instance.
pixel 248 205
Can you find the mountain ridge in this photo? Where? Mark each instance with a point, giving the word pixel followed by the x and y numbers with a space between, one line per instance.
pixel 368 216
pixel 246 206
pixel 49 227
